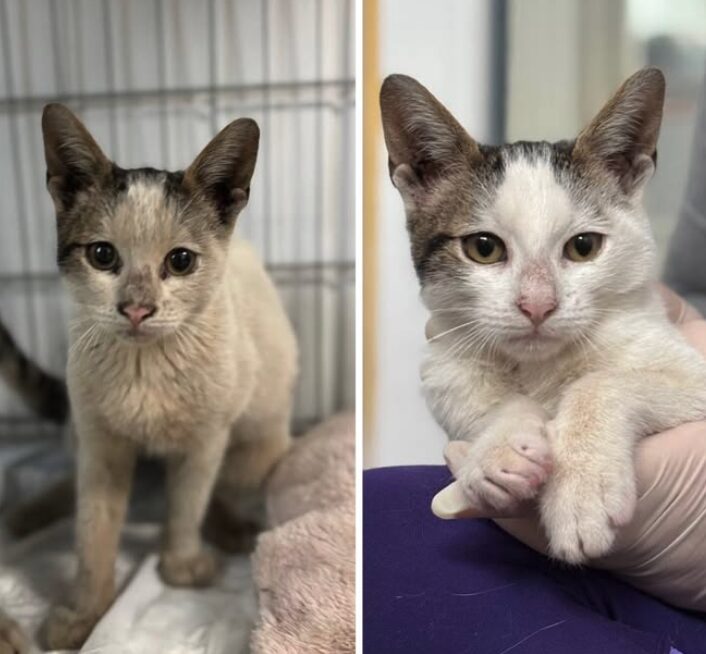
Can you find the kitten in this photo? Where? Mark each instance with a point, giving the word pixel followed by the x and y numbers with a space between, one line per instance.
pixel 554 353
pixel 180 348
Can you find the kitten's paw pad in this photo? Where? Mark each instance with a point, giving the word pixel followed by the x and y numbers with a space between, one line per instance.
pixel 65 628
pixel 502 477
pixel 582 518
pixel 195 571
pixel 12 638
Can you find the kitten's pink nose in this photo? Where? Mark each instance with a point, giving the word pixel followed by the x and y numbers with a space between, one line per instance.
pixel 537 310
pixel 136 313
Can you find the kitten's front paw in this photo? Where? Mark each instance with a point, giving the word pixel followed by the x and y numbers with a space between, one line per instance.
pixel 196 571
pixel 12 638
pixel 65 628
pixel 582 511
pixel 503 473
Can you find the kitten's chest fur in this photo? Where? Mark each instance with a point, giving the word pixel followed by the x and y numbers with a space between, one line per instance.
pixel 545 381
pixel 165 395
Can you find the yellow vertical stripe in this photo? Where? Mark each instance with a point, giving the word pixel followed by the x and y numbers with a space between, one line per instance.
pixel 371 126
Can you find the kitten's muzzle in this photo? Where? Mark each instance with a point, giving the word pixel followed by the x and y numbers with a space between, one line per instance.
pixel 136 313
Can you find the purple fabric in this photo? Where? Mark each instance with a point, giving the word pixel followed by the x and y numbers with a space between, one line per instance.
pixel 466 587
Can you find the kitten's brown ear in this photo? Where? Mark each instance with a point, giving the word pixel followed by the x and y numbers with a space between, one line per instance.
pixel 74 160
pixel 623 136
pixel 424 141
pixel 223 170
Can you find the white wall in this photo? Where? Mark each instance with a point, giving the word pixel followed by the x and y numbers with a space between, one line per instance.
pixel 449 52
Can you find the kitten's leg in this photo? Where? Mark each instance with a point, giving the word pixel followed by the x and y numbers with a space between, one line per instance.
pixel 190 478
pixel 600 418
pixel 237 513
pixel 105 468
pixel 509 458
pixel 12 638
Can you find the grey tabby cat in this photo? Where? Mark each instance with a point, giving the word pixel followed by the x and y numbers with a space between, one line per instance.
pixel 180 347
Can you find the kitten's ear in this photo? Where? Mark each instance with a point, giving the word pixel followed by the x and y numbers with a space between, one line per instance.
pixel 424 141
pixel 74 160
pixel 223 170
pixel 623 136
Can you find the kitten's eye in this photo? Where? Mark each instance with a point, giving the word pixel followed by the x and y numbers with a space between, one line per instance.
pixel 583 247
pixel 484 248
pixel 180 261
pixel 102 256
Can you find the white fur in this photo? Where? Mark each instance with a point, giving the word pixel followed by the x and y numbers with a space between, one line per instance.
pixel 605 369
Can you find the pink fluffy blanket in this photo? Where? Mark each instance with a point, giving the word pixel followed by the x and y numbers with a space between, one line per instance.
pixel 304 566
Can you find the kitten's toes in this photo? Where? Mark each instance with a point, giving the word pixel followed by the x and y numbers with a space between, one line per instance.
pixel 196 571
pixel 582 515
pixel 12 638
pixel 503 478
pixel 533 445
pixel 65 628
pixel 576 539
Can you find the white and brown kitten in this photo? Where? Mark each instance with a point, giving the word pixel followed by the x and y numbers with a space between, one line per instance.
pixel 180 347
pixel 554 354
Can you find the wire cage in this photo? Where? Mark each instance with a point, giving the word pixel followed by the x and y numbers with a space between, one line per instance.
pixel 154 81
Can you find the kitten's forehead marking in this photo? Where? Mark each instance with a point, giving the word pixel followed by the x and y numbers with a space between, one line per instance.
pixel 147 198
pixel 144 215
pixel 530 203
